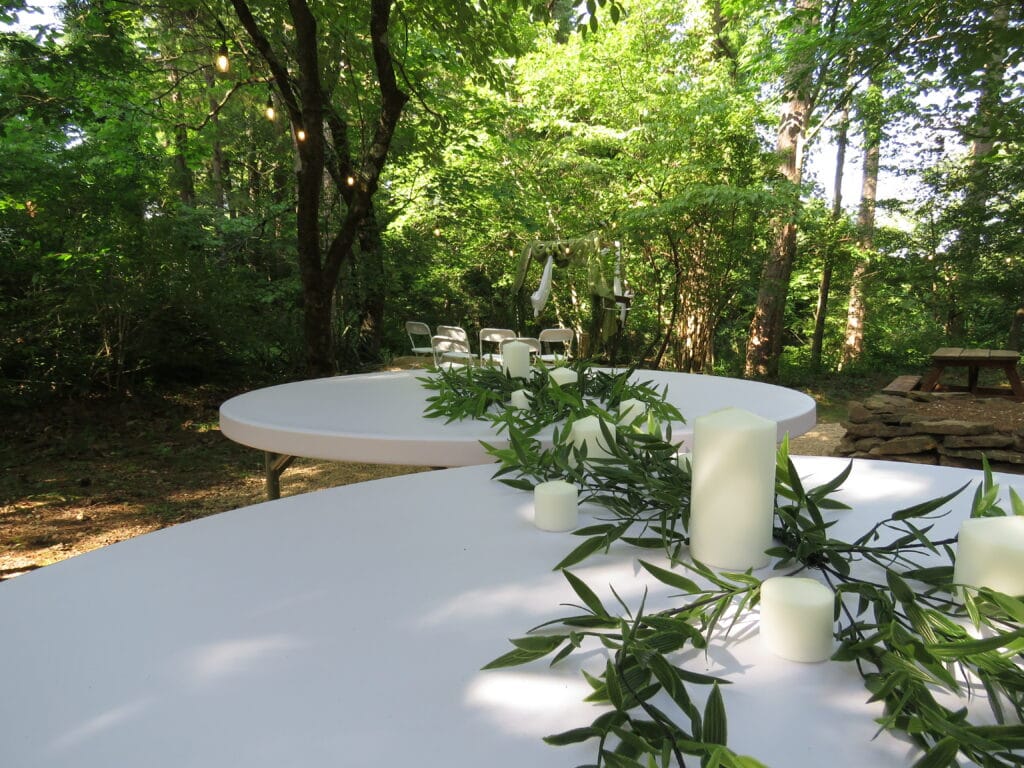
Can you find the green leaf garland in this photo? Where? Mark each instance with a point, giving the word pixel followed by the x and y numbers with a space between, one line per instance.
pixel 906 629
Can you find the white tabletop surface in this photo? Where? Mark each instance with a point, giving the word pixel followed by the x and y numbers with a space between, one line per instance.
pixel 378 417
pixel 347 627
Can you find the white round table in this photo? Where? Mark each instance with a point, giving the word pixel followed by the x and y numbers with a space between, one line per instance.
pixel 378 417
pixel 348 627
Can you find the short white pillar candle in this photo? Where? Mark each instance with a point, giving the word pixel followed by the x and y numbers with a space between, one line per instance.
pixel 515 359
pixel 797 618
pixel 990 553
pixel 564 376
pixel 631 410
pixel 555 506
pixel 732 501
pixel 521 400
pixel 587 431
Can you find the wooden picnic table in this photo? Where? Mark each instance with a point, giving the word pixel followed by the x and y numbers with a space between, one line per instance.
pixel 974 360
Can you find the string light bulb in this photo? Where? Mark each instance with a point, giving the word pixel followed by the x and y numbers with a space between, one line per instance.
pixel 269 111
pixel 351 181
pixel 300 135
pixel 223 62
pixel 437 231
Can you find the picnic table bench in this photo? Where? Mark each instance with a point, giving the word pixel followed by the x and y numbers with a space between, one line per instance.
pixel 974 360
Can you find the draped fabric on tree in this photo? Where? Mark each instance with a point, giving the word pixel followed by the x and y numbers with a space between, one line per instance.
pixel 579 252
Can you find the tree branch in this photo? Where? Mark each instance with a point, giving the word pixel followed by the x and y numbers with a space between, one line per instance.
pixel 277 68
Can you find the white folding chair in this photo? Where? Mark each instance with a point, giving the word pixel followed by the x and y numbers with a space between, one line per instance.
pixel 496 336
pixel 556 336
pixel 447 349
pixel 414 330
pixel 453 332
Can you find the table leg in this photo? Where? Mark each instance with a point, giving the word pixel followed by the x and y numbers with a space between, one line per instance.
pixel 972 379
pixel 275 464
pixel 1015 382
pixel 931 378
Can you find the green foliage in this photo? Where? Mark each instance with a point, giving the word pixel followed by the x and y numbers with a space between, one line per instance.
pixel 120 142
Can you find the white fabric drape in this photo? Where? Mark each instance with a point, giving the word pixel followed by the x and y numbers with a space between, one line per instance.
pixel 540 297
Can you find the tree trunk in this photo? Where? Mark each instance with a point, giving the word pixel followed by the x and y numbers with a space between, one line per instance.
pixel 184 182
pixel 374 287
pixel 764 342
pixel 982 135
pixel 1016 325
pixel 821 311
pixel 298 84
pixel 217 156
pixel 853 342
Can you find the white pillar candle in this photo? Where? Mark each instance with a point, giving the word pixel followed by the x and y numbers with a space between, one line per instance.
pixel 631 410
pixel 564 376
pixel 990 553
pixel 515 359
pixel 797 618
pixel 555 506
pixel 521 400
pixel 587 431
pixel 732 502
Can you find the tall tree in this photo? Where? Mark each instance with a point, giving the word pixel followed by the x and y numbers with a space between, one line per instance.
pixel 825 285
pixel 347 105
pixel 764 341
pixel 872 112
pixel 298 79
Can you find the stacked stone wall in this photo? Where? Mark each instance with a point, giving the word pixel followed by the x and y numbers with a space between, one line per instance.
pixel 892 427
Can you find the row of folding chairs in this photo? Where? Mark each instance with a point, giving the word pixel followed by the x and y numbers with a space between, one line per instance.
pixel 451 343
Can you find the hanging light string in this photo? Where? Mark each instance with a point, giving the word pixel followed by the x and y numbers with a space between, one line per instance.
pixel 269 111
pixel 223 61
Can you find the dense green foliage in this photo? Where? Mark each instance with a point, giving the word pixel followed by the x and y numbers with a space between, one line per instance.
pixel 147 224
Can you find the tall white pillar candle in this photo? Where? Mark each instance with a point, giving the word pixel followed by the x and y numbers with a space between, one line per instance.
pixel 555 506
pixel 797 618
pixel 515 359
pixel 521 399
pixel 732 502
pixel 990 553
pixel 631 410
pixel 587 431
pixel 564 376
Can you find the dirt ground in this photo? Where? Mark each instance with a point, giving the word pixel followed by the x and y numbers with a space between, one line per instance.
pixel 95 473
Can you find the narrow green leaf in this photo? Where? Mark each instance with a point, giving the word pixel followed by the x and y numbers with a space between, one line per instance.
pixel 1016 503
pixel 573 736
pixel 543 643
pixel 611 682
pixel 586 594
pixel 671 578
pixel 516 657
pixel 582 552
pixel 961 648
pixel 832 485
pixel 900 589
pixel 941 755
pixel 715 729
pixel 926 507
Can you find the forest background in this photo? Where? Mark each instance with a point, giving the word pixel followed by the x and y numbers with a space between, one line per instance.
pixel 157 228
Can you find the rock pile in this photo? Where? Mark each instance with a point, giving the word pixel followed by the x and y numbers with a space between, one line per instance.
pixel 929 429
